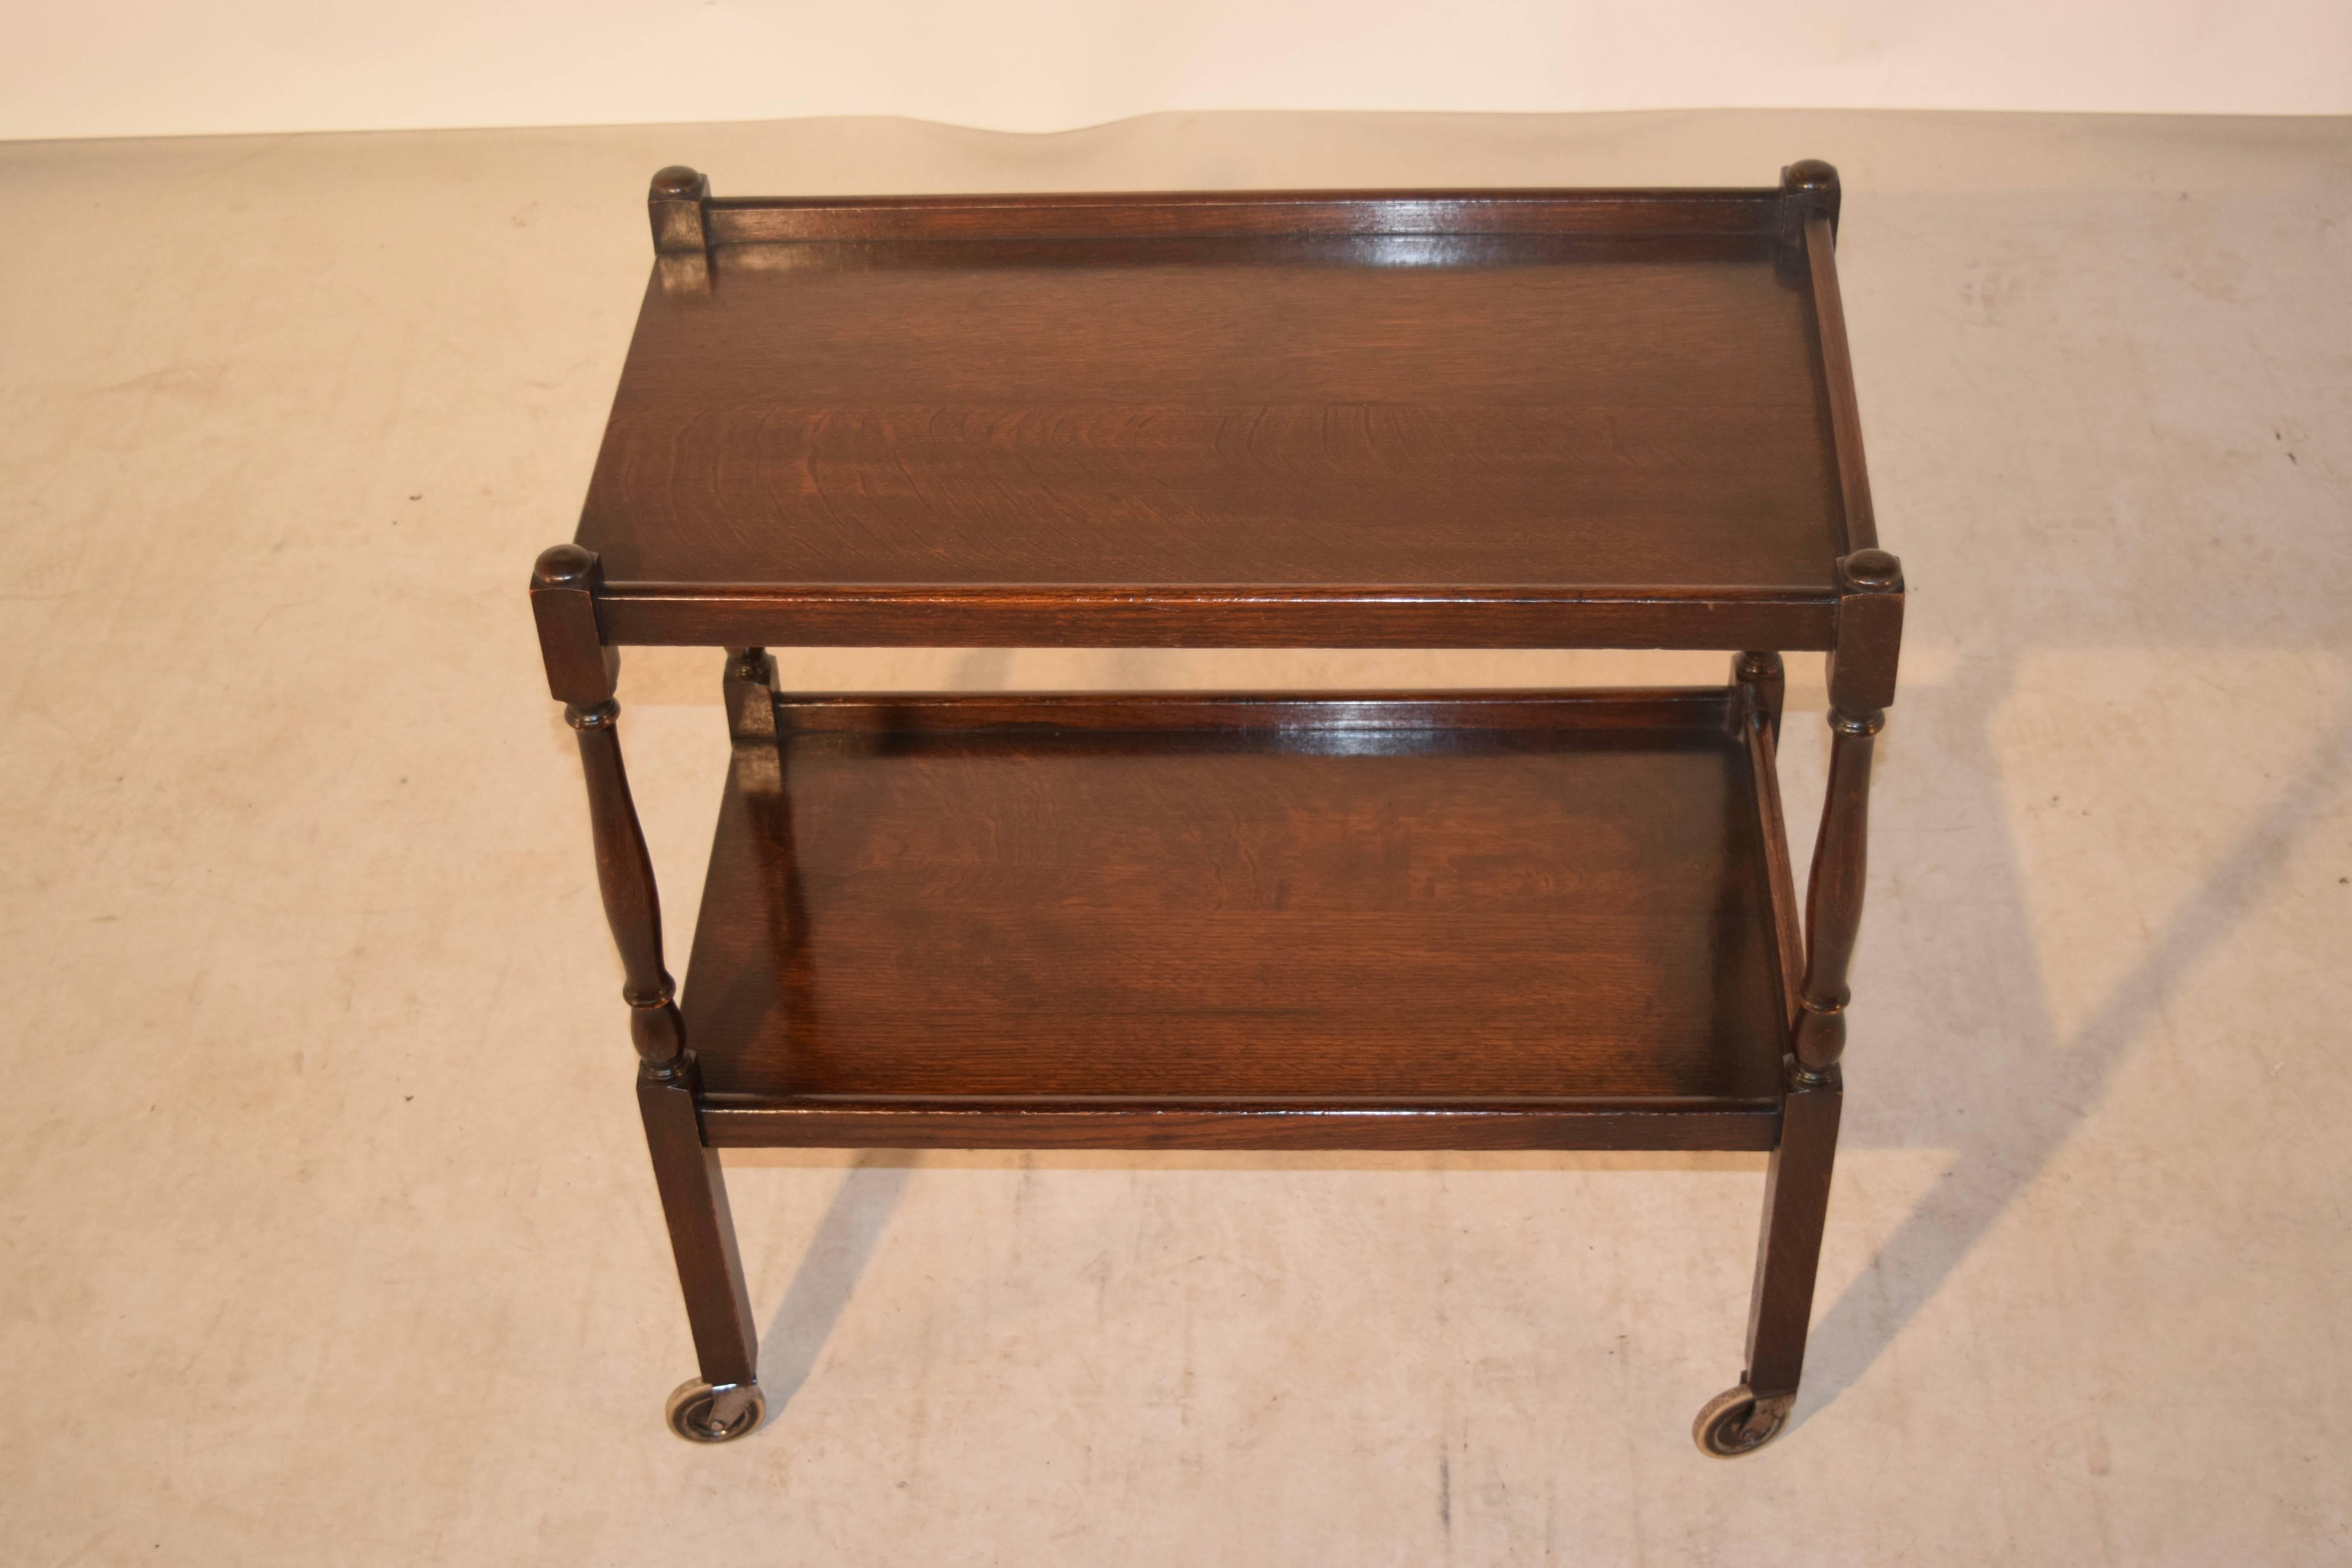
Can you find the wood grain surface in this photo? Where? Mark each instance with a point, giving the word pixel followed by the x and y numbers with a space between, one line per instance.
pixel 1386 416
pixel 1380 905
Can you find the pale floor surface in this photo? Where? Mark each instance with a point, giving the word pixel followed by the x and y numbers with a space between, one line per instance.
pixel 328 1229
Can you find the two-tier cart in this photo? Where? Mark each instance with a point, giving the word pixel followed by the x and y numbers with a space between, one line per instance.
pixel 1393 920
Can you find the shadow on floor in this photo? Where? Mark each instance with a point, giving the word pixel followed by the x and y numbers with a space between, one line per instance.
pixel 2026 1101
pixel 829 1270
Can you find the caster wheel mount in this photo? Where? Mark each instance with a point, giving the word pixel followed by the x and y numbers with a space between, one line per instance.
pixel 1735 1422
pixel 702 1414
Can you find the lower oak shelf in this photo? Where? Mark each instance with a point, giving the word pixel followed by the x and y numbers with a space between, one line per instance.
pixel 1456 921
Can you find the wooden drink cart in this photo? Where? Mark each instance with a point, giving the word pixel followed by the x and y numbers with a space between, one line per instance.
pixel 1394 919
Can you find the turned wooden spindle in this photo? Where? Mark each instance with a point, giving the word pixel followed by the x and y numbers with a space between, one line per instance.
pixel 581 673
pixel 625 870
pixel 1834 896
pixel 1861 682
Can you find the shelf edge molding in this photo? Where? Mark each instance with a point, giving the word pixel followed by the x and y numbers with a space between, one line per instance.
pixel 818 1125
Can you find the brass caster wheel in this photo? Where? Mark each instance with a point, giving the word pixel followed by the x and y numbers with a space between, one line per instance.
pixel 1735 1422
pixel 701 1414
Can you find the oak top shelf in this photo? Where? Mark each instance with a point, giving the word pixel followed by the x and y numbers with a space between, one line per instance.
pixel 1489 418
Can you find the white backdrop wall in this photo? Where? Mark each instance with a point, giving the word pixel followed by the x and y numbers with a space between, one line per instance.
pixel 139 67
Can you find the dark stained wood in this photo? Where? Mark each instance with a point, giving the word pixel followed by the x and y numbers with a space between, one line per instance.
pixel 1834 891
pixel 1870 631
pixel 1861 677
pixel 1361 904
pixel 624 872
pixel 819 1125
pixel 581 666
pixel 1172 617
pixel 1767 679
pixel 1385 920
pixel 581 673
pixel 701 1227
pixel 750 694
pixel 1860 520
pixel 1808 189
pixel 675 203
pixel 1358 433
pixel 1326 720
pixel 1763 764
pixel 1245 418
pixel 1227 214
pixel 1796 1205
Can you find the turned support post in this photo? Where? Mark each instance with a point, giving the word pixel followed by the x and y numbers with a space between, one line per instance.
pixel 581 673
pixel 1833 895
pixel 1862 684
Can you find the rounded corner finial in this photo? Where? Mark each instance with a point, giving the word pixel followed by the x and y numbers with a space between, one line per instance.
pixel 679 182
pixel 1808 174
pixel 1872 570
pixel 565 566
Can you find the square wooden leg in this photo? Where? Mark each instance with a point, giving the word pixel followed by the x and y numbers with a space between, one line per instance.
pixel 1781 1306
pixel 726 1401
